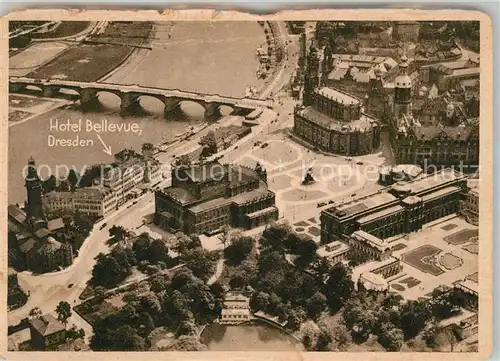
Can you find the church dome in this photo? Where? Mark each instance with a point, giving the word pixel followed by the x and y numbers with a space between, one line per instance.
pixel 403 81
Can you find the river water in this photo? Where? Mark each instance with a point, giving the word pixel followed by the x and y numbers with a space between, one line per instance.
pixel 248 337
pixel 209 57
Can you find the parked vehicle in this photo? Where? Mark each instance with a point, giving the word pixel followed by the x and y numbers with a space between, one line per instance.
pixel 103 226
pixel 321 204
pixel 264 145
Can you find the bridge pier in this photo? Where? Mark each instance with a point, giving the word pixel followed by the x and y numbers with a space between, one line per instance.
pixel 50 90
pixel 88 99
pixel 129 105
pixel 172 109
pixel 16 88
pixel 212 111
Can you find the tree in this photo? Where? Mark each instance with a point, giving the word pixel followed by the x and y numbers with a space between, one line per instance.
pixel 127 339
pixel 49 184
pixel 63 311
pixel 108 272
pixel 316 305
pixel 413 318
pixel 338 287
pixel 324 340
pixel 158 251
pixel 118 233
pixel 341 336
pixel 147 147
pixel 72 179
pixel 239 249
pixel 35 312
pixel 74 333
pixel 259 301
pixel 390 337
pixel 306 252
pixel 141 247
pixel 200 261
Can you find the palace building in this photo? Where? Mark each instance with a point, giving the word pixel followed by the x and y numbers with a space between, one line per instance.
pixel 401 208
pixel 438 134
pixel 204 198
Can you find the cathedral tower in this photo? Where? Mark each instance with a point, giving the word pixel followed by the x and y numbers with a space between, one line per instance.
pixel 402 91
pixel 311 78
pixel 33 184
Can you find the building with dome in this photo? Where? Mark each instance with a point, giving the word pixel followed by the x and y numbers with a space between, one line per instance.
pixel 332 120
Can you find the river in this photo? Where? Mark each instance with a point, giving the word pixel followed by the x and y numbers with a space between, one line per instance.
pixel 248 337
pixel 209 57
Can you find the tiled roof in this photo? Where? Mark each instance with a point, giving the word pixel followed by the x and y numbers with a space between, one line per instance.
pixel 46 324
pixel 55 224
pixel 16 213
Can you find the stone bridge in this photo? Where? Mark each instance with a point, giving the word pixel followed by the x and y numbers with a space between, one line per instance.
pixel 130 95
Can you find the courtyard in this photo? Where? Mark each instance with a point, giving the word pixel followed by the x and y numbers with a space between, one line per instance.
pixel 430 259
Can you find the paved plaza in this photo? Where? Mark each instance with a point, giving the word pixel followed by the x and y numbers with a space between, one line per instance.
pixel 430 259
pixel 336 178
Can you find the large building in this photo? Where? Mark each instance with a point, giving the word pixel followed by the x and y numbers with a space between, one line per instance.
pixel 443 137
pixel 235 309
pixel 401 208
pixel 34 235
pixel 333 121
pixel 119 183
pixel 206 197
pixel 46 332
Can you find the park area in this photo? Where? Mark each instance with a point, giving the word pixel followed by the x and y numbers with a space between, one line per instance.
pixel 35 55
pixel 422 258
pixel 86 62
pixel 63 29
pixel 462 236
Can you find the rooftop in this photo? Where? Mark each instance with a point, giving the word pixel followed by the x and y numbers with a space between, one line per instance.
pixel 364 123
pixel 55 224
pixel 338 96
pixel 16 213
pixel 46 324
pixel 362 203
pixel 332 249
pixel 440 193
pixel 436 179
pixel 371 239
pixel 379 214
pixel 180 194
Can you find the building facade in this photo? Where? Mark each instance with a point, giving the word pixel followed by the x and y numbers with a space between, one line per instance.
pixel 401 208
pixel 235 309
pixel 206 197
pixel 46 332
pixel 119 184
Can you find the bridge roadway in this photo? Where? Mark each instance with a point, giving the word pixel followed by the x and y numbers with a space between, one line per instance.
pixel 131 94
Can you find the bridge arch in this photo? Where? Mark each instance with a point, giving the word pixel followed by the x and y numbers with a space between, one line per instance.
pixel 192 109
pixel 151 104
pixel 98 99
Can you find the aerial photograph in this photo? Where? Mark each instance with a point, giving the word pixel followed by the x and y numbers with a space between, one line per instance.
pixel 294 186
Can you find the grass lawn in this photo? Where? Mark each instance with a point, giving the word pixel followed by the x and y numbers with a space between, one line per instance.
pixel 450 261
pixel 462 236
pixel 301 224
pixel 66 28
pixel 91 311
pixel 85 63
pixel 399 246
pixel 472 248
pixel 410 282
pixel 416 258
pixel 314 231
pixel 449 227
pixel 17 115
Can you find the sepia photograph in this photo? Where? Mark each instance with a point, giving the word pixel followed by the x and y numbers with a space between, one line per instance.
pixel 259 185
